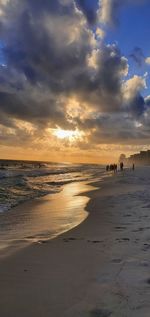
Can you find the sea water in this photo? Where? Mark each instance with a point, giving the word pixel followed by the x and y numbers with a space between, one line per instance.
pixel 20 182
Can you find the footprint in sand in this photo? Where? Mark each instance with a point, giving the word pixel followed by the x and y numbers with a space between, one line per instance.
pixel 122 239
pixel 74 239
pixel 69 239
pixel 148 280
pixel 120 228
pixel 145 264
pixel 138 230
pixel 42 241
pixel 146 206
pixel 100 313
pixel 141 229
pixel 116 261
pixel 146 247
pixel 95 241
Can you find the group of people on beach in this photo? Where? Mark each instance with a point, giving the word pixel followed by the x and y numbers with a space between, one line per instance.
pixel 114 167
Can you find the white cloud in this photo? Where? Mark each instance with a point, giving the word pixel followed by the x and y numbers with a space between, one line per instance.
pixel 108 10
pixel 100 33
pixel 147 60
pixel 2 6
pixel 133 86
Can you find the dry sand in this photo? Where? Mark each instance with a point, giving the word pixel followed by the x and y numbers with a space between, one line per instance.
pixel 100 268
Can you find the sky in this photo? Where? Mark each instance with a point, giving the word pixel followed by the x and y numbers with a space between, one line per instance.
pixel 74 79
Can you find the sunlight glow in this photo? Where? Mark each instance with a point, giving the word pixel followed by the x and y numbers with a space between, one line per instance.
pixel 67 134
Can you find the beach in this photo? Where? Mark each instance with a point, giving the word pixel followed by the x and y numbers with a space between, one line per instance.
pixel 99 268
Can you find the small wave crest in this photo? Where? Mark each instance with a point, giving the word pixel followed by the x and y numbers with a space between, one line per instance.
pixel 20 184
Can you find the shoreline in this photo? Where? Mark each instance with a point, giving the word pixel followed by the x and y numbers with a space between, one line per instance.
pixel 18 240
pixel 99 268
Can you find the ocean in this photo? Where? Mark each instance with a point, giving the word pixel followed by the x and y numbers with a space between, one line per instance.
pixel 22 181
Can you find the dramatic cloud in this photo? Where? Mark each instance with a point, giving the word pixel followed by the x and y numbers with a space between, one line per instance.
pixel 58 72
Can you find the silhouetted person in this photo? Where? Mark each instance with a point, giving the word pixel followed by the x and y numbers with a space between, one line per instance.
pixel 107 168
pixel 115 168
pixel 133 167
pixel 121 166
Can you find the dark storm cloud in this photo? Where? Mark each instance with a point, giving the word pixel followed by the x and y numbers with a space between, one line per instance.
pixel 42 52
pixel 137 106
pixel 117 129
pixel 52 56
pixel 20 107
pixel 38 46
pixel 100 84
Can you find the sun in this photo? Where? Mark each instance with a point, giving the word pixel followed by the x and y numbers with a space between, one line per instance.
pixel 67 134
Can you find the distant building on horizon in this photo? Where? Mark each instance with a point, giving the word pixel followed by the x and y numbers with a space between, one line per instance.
pixel 142 158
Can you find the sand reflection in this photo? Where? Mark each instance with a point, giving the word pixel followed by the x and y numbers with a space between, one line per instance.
pixel 46 217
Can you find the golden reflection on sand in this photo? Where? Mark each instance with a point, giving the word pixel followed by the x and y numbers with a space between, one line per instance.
pixel 46 217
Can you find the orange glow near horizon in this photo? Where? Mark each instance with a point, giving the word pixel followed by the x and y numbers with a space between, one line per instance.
pixel 72 155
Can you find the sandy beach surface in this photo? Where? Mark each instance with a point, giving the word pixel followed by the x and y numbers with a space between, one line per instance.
pixel 100 268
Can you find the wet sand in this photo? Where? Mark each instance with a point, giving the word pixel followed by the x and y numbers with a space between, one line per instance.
pixel 100 268
pixel 43 218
